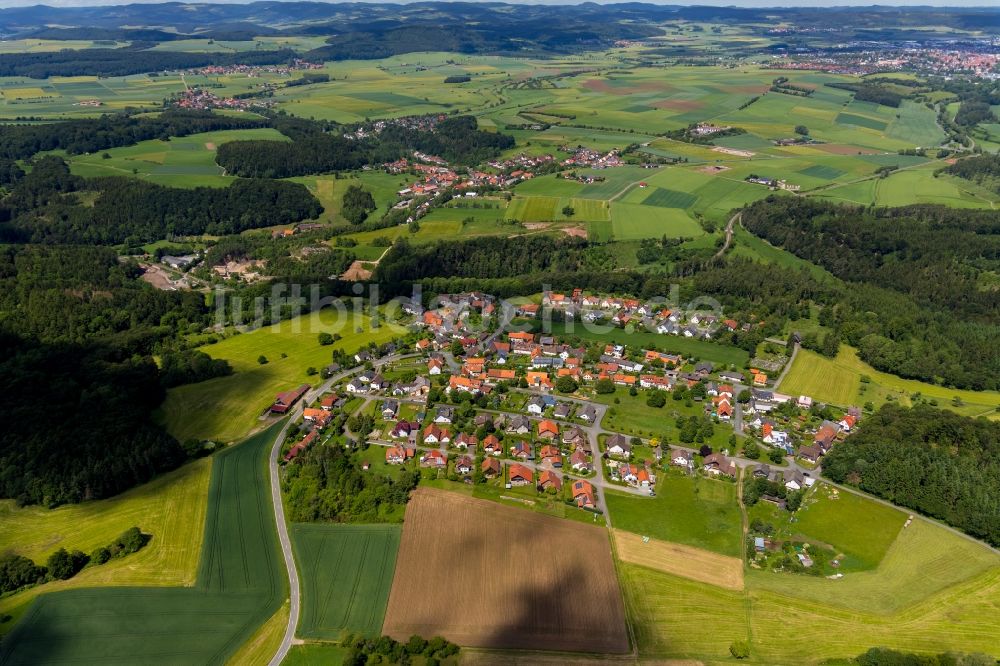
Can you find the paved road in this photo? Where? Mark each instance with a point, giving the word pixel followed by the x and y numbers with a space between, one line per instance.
pixel 788 366
pixel 286 545
pixel 279 511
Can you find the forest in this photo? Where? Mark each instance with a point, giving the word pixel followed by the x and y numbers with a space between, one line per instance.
pixel 77 331
pixel 44 207
pixel 134 59
pixel 933 461
pixel 982 169
pixel 914 306
pixel 325 483
pixel 88 135
pixel 313 150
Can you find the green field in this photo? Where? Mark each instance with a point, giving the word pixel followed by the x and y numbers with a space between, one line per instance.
pixel 675 344
pixel 171 508
pixel 180 162
pixel 691 510
pixel 346 573
pixel 227 408
pixel 931 591
pixel 838 381
pixel 240 584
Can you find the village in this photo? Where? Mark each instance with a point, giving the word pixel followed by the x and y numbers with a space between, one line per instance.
pixel 527 414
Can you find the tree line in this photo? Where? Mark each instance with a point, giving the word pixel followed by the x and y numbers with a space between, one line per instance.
pixel 88 135
pixel 313 150
pixel 45 207
pixel 933 461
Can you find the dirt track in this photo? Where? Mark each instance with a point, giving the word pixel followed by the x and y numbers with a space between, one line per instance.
pixel 485 575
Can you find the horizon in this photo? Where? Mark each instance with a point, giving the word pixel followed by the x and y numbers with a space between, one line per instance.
pixel 747 4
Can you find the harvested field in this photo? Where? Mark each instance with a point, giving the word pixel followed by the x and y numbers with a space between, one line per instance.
pixel 680 560
pixel 357 271
pixel 713 169
pixel 733 151
pixel 491 576
pixel 841 149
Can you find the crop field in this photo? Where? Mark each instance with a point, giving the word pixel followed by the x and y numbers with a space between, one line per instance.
pixel 346 572
pixel 687 510
pixel 838 381
pixel 679 560
pixel 181 162
pixel 60 97
pixel 491 576
pixel 240 585
pixel 227 408
pixel 171 508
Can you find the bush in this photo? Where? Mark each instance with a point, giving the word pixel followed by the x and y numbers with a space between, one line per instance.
pixel 325 339
pixel 63 565
pixel 739 649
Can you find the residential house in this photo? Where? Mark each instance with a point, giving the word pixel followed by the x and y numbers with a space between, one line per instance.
pixel 575 437
pixel 549 479
pixel 490 468
pixel 319 416
pixel 618 446
pixel 357 385
pixel 434 434
pixel 466 442
pixel 810 453
pixel 492 446
pixel 389 409
pixel 519 424
pixel 588 414
pixel 397 455
pixel 521 450
pixel 718 464
pixel 404 429
pixel 551 455
pixel 444 414
pixel 680 457
pixel 434 458
pixel 579 463
pixel 464 465
pixel 535 405
pixel 548 429
pixel 520 475
pixel 583 494
pixel 562 411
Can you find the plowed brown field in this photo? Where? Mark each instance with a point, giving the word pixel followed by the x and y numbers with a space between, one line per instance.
pixel 486 575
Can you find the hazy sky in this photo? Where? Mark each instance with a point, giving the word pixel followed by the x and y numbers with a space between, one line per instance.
pixel 730 3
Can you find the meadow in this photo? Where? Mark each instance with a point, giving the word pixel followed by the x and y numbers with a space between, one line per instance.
pixel 171 509
pixel 346 572
pixel 240 585
pixel 180 162
pixel 694 511
pixel 839 382
pixel 690 348
pixel 932 591
pixel 227 408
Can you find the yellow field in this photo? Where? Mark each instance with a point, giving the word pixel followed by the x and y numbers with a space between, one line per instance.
pixel 227 408
pixel 680 560
pixel 838 381
pixel 171 508
pixel 27 93
pixel 261 647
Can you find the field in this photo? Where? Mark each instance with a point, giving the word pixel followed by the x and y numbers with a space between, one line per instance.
pixel 687 510
pixel 171 508
pixel 491 576
pixel 838 381
pixel 346 572
pixel 688 347
pixel 240 584
pixel 679 560
pixel 227 408
pixel 180 162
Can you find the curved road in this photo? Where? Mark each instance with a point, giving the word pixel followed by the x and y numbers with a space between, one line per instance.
pixel 279 511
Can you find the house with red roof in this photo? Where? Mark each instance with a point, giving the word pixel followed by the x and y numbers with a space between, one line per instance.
pixel 285 400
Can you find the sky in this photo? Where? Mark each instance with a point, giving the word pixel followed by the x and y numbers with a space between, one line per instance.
pixel 721 3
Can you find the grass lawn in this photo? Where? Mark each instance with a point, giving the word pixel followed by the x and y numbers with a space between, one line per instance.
pixel 346 575
pixel 859 528
pixel 694 511
pixel 632 416
pixel 240 585
pixel 838 381
pixel 227 408
pixel 315 654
